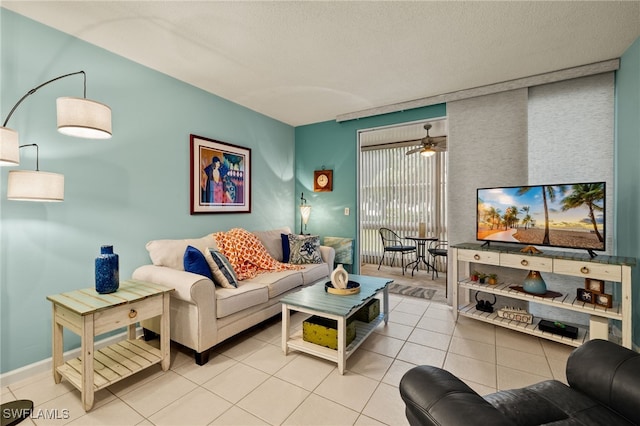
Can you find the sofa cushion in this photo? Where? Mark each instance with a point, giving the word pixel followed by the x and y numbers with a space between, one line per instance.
pixel 221 269
pixel 195 262
pixel 304 249
pixel 170 253
pixel 314 272
pixel 272 241
pixel 278 282
pixel 551 402
pixel 229 301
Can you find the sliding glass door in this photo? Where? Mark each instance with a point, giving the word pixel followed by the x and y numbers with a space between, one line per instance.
pixel 400 192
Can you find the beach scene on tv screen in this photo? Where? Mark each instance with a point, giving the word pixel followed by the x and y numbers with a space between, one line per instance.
pixel 550 215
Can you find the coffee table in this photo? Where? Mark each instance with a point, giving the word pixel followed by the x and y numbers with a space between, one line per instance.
pixel 315 300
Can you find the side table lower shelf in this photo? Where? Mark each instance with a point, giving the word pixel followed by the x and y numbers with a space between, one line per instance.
pixel 113 363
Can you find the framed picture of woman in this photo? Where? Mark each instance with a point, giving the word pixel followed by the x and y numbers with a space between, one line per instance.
pixel 220 177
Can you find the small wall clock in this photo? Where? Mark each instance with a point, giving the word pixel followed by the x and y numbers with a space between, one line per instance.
pixel 323 181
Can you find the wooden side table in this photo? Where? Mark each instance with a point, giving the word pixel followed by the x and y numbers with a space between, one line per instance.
pixel 88 314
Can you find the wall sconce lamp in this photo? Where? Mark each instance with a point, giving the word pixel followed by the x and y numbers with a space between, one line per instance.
pixel 305 212
pixel 34 185
pixel 80 117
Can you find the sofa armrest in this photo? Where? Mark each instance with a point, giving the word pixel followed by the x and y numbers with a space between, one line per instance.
pixel 434 396
pixel 328 255
pixel 609 373
pixel 189 287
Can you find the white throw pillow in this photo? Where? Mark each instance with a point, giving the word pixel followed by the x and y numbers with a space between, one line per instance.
pixel 170 253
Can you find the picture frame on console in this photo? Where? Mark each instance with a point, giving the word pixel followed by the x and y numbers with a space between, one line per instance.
pixel 595 286
pixel 585 295
pixel 220 177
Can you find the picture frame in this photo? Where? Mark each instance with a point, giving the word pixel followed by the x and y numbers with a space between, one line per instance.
pixel 220 176
pixel 595 286
pixel 585 296
pixel 604 300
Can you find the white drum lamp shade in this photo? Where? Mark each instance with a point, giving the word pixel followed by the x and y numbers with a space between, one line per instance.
pixel 83 118
pixel 33 185
pixel 9 147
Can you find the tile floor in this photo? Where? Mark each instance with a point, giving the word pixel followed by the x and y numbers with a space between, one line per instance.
pixel 248 380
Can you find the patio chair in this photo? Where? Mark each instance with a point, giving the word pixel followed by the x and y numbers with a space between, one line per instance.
pixel 439 249
pixel 392 243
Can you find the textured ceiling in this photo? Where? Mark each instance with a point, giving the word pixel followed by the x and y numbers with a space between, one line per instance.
pixel 306 62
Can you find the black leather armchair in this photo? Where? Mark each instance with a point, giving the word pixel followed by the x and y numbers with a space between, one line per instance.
pixel 604 389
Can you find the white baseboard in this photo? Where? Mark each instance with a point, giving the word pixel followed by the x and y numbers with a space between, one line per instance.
pixel 39 367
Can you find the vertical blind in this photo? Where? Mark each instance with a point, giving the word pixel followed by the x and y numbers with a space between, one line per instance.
pixel 399 191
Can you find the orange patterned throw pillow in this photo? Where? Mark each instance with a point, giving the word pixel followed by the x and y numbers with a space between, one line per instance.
pixel 247 255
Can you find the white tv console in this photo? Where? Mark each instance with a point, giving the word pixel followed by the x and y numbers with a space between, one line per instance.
pixel 603 267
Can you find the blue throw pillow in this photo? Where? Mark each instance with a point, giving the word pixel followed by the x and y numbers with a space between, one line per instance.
pixel 195 262
pixel 286 252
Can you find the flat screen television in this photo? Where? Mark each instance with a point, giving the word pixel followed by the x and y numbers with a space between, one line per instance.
pixel 562 215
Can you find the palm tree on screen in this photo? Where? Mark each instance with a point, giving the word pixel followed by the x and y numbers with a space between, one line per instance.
pixel 588 194
pixel 527 217
pixel 550 192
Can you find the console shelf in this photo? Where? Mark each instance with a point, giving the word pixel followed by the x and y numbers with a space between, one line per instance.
pixel 609 268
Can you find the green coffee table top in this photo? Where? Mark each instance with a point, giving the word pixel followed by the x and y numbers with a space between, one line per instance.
pixel 315 297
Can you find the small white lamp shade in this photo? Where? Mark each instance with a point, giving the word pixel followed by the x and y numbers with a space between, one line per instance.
pixel 305 212
pixel 83 118
pixel 32 185
pixel 9 147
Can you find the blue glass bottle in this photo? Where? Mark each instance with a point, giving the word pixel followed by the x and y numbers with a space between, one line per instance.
pixel 107 271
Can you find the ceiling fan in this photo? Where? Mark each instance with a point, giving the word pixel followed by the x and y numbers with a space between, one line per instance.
pixel 430 144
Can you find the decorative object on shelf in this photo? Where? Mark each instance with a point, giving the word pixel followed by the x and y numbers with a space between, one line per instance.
pixel 422 230
pixel 604 300
pixel 305 212
pixel 107 271
pixel 485 305
pixel 339 277
pixel 80 117
pixel 595 286
pixel 585 295
pixel 34 185
pixel 323 180
pixel 531 250
pixel 352 288
pixel 324 331
pixel 515 314
pixel 482 278
pixel 549 294
pixel 559 328
pixel 475 276
pixel 492 279
pixel 220 177
pixel 534 284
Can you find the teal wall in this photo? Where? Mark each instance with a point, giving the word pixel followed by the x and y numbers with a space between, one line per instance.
pixel 124 191
pixel 334 146
pixel 628 173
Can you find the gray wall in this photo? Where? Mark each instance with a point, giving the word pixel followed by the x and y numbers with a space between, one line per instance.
pixel 555 133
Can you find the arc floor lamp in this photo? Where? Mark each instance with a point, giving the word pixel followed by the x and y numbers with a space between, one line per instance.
pixel 80 117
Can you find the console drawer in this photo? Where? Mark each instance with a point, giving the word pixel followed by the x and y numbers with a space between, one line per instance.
pixel 490 258
pixel 523 261
pixel 599 271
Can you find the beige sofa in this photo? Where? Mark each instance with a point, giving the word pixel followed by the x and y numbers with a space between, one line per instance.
pixel 203 314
